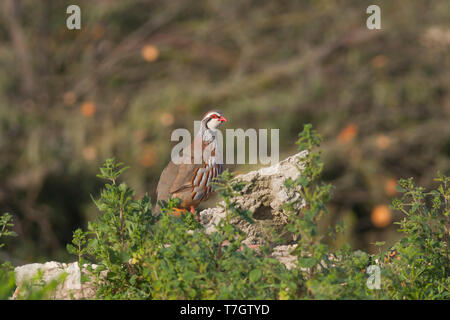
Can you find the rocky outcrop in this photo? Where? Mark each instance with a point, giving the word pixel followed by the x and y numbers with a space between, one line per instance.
pixel 70 288
pixel 264 194
pixel 283 254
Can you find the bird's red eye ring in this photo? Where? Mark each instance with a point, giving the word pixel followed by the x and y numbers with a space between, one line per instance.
pixel 214 116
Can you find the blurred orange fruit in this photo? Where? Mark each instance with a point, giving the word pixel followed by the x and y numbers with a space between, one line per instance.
pixel 166 119
pixel 389 187
pixel 148 156
pixel 87 109
pixel 150 53
pixel 381 216
pixel 348 133
pixel 383 142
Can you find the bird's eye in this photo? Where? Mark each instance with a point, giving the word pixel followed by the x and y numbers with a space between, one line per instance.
pixel 214 116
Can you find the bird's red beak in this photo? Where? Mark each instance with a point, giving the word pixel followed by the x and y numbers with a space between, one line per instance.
pixel 222 119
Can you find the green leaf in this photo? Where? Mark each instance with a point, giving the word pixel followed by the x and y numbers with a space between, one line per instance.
pixel 255 275
pixel 85 278
pixel 124 256
pixel 379 243
pixel 400 189
pixel 306 262
pixel 71 249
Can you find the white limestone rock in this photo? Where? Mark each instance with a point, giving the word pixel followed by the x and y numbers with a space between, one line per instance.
pixel 71 288
pixel 264 195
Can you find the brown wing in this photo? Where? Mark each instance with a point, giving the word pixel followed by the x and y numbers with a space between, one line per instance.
pixel 185 177
pixel 166 180
pixel 186 172
pixel 189 182
pixel 174 178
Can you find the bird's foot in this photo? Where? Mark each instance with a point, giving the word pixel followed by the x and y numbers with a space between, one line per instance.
pixel 196 216
pixel 176 212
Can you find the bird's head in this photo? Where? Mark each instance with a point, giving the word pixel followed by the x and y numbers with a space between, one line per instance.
pixel 212 120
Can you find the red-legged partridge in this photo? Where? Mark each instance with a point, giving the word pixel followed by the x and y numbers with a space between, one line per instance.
pixel 190 181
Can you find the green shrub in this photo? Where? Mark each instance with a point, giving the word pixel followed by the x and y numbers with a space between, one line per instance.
pixel 7 281
pixel 35 288
pixel 420 268
pixel 164 257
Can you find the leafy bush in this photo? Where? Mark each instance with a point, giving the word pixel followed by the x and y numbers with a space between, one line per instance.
pixel 164 257
pixel 33 289
pixel 7 282
pixel 420 268
pixel 141 255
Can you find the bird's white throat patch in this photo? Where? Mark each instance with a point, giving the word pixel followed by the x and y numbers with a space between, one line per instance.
pixel 209 135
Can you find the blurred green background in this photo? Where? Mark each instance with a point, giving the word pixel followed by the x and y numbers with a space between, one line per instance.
pixel 139 69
